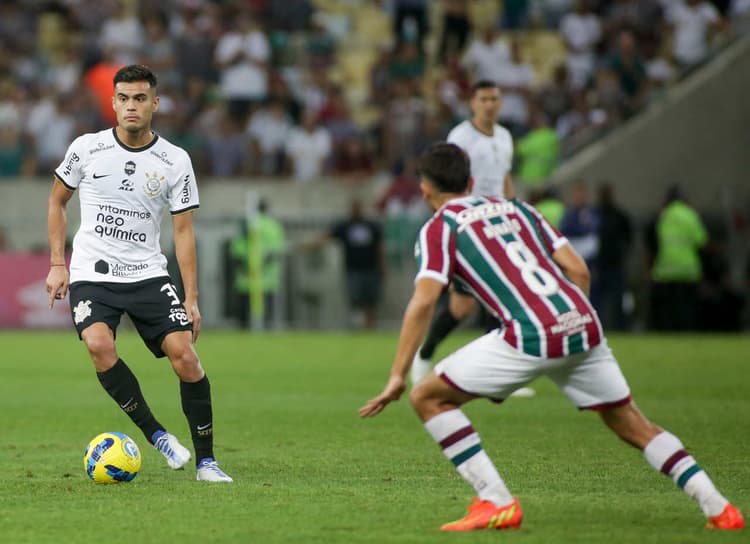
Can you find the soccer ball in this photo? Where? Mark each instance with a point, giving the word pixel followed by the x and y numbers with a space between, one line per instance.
pixel 111 458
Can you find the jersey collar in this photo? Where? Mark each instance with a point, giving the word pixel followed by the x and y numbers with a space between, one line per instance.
pixel 134 149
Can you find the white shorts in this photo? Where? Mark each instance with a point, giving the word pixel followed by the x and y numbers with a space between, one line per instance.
pixel 489 367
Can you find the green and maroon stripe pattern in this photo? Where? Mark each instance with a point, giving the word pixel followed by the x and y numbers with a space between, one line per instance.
pixel 502 251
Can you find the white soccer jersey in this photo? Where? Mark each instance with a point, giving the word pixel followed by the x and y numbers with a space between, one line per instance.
pixel 123 194
pixel 491 156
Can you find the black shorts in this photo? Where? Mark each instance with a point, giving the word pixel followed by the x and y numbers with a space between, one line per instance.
pixel 153 305
pixel 364 288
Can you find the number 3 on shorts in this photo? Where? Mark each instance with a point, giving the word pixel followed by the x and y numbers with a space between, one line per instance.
pixel 536 278
pixel 171 293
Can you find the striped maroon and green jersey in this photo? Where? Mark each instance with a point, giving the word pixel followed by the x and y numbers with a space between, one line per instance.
pixel 501 250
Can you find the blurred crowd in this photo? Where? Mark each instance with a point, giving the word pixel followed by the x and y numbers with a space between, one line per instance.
pixel 349 88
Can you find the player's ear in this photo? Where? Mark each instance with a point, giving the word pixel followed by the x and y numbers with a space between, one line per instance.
pixel 156 102
pixel 426 189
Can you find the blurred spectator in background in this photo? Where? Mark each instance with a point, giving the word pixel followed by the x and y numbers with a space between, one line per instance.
pixel 159 48
pixel 581 225
pixel 515 14
pixel 515 80
pixel 364 262
pixel 194 48
pixel 581 32
pixel 353 160
pixel 410 21
pixel 720 302
pixel 402 123
pixel 289 15
pixel 580 125
pixel 227 148
pixel 692 21
pixel 308 148
pixel 52 125
pixel 121 35
pixel 99 82
pixel 364 259
pixel 320 46
pixel 659 68
pixel 630 69
pixel 456 28
pixel 269 234
pixel 15 156
pixel 486 55
pixel 242 55
pixel 551 12
pixel 677 238
pixel 402 194
pixel 269 129
pixel 538 151
pixel 407 65
pixel 554 97
pixel 615 239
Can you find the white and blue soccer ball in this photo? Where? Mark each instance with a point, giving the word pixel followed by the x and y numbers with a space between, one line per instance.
pixel 111 458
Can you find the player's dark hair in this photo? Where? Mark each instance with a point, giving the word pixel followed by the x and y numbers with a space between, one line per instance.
pixel 483 84
pixel 135 72
pixel 446 166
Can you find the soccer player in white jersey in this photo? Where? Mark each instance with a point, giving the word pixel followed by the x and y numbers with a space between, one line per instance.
pixel 127 176
pixel 526 273
pixel 490 150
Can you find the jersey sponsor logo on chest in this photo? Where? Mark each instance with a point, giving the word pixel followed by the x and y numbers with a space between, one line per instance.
pixel 484 211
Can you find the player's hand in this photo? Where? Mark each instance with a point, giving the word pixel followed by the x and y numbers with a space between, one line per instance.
pixel 392 392
pixel 194 317
pixel 58 281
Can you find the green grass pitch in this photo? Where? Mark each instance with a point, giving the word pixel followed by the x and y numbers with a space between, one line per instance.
pixel 307 469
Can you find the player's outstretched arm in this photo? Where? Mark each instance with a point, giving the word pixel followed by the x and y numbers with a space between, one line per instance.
pixel 574 267
pixel 184 244
pixel 417 319
pixel 58 277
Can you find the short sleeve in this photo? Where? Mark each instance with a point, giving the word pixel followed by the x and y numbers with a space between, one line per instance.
pixel 435 251
pixel 454 137
pixel 553 239
pixel 183 193
pixel 70 170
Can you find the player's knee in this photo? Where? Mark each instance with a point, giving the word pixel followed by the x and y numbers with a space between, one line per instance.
pixel 186 364
pixel 425 404
pixel 100 346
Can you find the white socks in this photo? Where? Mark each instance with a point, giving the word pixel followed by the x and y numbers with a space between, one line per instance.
pixel 452 430
pixel 667 454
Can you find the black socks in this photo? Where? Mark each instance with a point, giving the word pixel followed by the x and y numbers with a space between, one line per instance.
pixel 196 405
pixel 122 386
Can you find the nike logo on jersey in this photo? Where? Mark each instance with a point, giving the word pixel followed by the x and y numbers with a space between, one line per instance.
pixel 100 176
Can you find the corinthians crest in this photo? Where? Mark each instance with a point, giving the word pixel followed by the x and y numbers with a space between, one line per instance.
pixel 152 187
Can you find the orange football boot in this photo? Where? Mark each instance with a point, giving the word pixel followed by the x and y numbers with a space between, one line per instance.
pixel 729 519
pixel 485 515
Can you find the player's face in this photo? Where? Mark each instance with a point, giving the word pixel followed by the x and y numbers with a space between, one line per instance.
pixel 135 104
pixel 486 104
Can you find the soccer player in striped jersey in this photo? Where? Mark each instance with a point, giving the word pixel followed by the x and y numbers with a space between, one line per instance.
pixel 526 273
pixel 490 150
